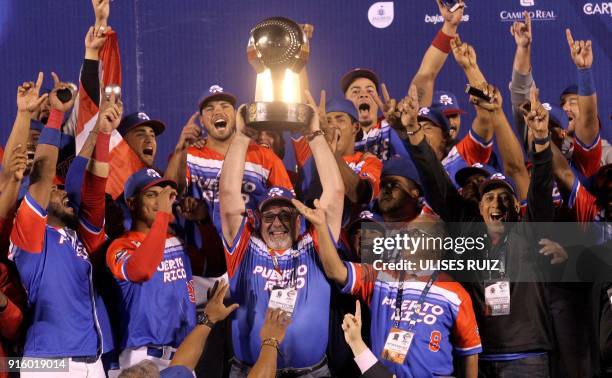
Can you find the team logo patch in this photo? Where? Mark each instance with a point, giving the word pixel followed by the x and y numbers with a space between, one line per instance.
pixel 381 14
pixel 215 89
pixel 153 173
pixel 446 100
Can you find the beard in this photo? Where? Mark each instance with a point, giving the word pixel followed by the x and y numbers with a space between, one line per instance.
pixel 68 218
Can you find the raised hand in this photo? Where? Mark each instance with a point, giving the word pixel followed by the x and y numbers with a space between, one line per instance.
pixel 351 325
pixel 464 54
pixel 28 99
pixel 17 163
pixel 275 325
pixel 241 126
pixel 166 199
pixel 554 250
pixel 451 18
pixel 101 11
pixel 496 98
pixel 319 118
pixel 190 134
pixel 581 51
pixel 537 118
pixel 111 111
pixel 389 107
pixel 409 109
pixel 60 85
pixel 215 308
pixel 193 209
pixel 521 31
pixel 96 37
pixel 308 30
pixel 315 216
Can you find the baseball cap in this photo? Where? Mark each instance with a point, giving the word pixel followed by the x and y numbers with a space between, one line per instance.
pixel 497 180
pixel 447 102
pixel 403 167
pixel 434 114
pixel 216 93
pixel 465 173
pixel 557 115
pixel 356 73
pixel 143 180
pixel 365 216
pixel 342 106
pixel 133 120
pixel 277 194
pixel 570 89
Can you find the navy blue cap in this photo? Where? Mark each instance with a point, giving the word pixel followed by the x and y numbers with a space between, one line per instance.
pixel 465 173
pixel 216 93
pixel 403 167
pixel 557 115
pixel 447 102
pixel 342 106
pixel 277 194
pixel 143 180
pixel 570 89
pixel 356 73
pixel 133 120
pixel 366 216
pixel 497 180
pixel 435 115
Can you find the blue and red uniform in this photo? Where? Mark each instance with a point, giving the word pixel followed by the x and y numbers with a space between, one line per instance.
pixel 382 141
pixel 586 159
pixel 262 170
pixel 470 150
pixel 155 279
pixel 445 328
pixel 253 275
pixel 67 317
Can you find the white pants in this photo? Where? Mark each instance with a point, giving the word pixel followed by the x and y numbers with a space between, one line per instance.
pixel 130 357
pixel 76 370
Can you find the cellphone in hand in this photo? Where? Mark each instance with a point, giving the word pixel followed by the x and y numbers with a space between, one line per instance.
pixel 451 5
pixel 64 95
pixel 476 93
pixel 110 89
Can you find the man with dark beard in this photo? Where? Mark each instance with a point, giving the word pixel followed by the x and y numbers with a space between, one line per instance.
pixel 51 244
pixel 400 190
pixel 469 179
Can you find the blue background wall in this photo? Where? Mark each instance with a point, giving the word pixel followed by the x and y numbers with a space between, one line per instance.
pixel 173 51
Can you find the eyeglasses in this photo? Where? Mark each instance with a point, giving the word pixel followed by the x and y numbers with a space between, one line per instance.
pixel 284 216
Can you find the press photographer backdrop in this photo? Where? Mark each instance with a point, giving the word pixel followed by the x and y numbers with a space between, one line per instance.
pixel 173 51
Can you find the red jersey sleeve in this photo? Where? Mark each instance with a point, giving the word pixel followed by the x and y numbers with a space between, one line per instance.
pixel 117 255
pixel 583 202
pixel 91 215
pixel 466 340
pixel 234 252
pixel 587 158
pixel 371 171
pixel 473 149
pixel 360 281
pixel 302 151
pixel 28 233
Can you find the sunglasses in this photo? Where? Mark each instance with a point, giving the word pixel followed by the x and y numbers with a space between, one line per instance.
pixel 284 216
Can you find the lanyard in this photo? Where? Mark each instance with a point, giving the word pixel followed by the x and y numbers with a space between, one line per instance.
pixel 503 249
pixel 274 256
pixel 398 301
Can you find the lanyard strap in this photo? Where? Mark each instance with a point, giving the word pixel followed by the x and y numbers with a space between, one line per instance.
pixel 274 256
pixel 399 299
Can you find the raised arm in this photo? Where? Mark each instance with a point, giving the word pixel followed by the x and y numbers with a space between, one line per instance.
pixel 439 191
pixel 272 334
pixel 333 267
pixel 332 198
pixel 28 102
pixel 507 142
pixel 230 184
pixel 522 79
pixel 587 124
pixel 539 199
pixel 189 352
pixel 436 54
pixel 465 56
pixel 177 165
pixel 14 171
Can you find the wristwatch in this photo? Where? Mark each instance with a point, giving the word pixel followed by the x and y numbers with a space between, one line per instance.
pixel 204 320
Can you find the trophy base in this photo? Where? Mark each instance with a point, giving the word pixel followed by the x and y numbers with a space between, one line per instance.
pixel 277 116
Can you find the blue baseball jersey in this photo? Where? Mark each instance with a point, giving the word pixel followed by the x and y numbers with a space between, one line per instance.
pixel 159 311
pixel 262 170
pixel 446 326
pixel 67 317
pixel 252 277
pixel 382 141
